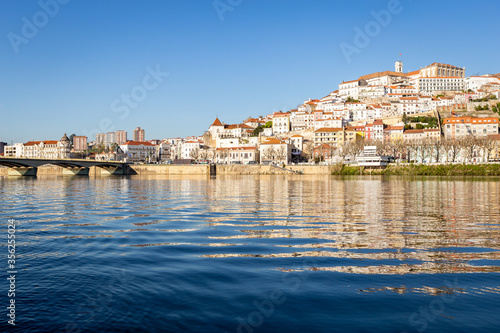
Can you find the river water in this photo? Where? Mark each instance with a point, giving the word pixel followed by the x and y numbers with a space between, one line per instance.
pixel 252 254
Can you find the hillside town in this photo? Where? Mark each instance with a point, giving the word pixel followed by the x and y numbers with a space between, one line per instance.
pixel 435 114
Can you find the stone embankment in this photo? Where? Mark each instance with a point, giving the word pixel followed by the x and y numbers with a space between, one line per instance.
pixel 485 169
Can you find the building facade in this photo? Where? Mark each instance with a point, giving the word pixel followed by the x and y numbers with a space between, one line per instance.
pixel 139 151
pixel 79 143
pixel 139 134
pixel 120 137
pixel 275 151
pixel 48 149
pixel 458 127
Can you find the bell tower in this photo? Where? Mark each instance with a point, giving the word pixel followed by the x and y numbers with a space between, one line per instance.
pixel 399 66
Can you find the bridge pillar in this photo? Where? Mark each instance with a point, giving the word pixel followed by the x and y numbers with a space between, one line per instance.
pixel 75 171
pixel 113 170
pixel 22 171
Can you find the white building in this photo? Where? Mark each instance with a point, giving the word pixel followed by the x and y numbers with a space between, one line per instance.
pixel 15 150
pixel 297 142
pixel 457 127
pixel 241 155
pixel 281 123
pixel 378 130
pixel 475 83
pixel 349 89
pixel 301 120
pixel 372 91
pixel 49 149
pixel 189 149
pixel 275 151
pixel 435 84
pixel 139 151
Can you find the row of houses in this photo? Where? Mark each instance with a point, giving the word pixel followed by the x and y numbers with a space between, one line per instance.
pixel 235 144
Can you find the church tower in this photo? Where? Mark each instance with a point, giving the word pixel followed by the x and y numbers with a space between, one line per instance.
pixel 399 66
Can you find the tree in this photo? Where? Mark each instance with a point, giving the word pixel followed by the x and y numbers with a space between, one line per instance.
pixel 452 148
pixel 400 148
pixel 269 153
pixel 343 151
pixel 282 154
pixel 269 124
pixel 468 145
pixel 381 148
pixel 415 146
pixel 195 154
pixel 223 154
pixel 357 147
pixel 391 148
pixel 404 119
pixel 437 146
pixel 204 153
pixel 331 151
pixel 257 130
pixel 487 145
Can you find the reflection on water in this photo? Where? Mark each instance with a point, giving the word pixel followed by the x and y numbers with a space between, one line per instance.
pixel 186 237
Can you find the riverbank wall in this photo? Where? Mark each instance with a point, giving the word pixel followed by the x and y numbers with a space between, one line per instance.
pixel 486 169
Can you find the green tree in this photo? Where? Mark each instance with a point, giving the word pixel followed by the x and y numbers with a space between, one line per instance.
pixel 257 130
pixel 419 126
pixel 404 119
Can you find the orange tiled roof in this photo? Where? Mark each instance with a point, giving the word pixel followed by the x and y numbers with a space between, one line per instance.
pixel 379 74
pixel 238 148
pixel 138 143
pixel 414 131
pixel 349 81
pixel 470 120
pixel 440 64
pixel 216 122
pixel 45 142
pixel 273 141
pixel 329 129
pixel 237 126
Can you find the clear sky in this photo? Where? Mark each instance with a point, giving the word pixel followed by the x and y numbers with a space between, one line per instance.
pixel 69 68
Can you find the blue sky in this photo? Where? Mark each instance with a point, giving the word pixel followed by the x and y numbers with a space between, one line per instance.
pixel 70 75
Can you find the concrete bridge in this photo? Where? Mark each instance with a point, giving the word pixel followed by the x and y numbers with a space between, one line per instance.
pixel 72 166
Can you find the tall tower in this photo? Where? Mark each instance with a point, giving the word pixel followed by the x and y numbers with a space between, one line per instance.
pixel 139 134
pixel 399 66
